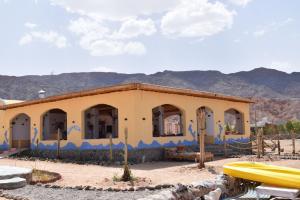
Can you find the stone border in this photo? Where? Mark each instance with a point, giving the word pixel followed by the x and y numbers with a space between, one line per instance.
pixel 109 189
pixel 12 197
pixel 229 187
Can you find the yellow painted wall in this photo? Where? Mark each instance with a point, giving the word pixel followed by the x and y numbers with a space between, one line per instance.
pixel 133 105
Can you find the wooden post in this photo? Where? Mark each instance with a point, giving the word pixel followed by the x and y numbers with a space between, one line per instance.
pixel 37 144
pixel 58 144
pixel 278 141
pixel 258 142
pixel 202 133
pixel 293 140
pixel 126 148
pixel 37 147
pixel 110 148
pixel 262 142
pixel 126 174
pixel 225 145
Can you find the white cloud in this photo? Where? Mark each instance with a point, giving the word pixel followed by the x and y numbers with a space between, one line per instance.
pixel 134 27
pixel 240 2
pixel 114 48
pixel 259 33
pixel 118 24
pixel 101 41
pixel 87 26
pixel 196 18
pixel 30 25
pixel 50 37
pixel 115 9
pixel 26 39
pixel 274 26
pixel 102 69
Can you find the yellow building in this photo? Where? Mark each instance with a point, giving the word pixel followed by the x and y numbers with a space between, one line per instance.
pixel 155 117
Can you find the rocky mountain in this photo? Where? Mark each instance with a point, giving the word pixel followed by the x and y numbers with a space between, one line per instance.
pixel 278 93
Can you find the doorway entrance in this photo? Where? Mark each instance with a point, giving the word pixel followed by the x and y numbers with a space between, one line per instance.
pixel 20 129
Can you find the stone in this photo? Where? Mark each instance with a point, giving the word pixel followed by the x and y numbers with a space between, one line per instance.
pixel 12 183
pixel 141 188
pixel 213 195
pixel 7 172
pixel 86 187
pixel 167 186
pixel 179 188
pixel 79 187
pixel 158 187
pixel 150 187
pixel 163 195
pixel 116 189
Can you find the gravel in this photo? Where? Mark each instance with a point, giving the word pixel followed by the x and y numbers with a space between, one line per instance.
pixel 37 193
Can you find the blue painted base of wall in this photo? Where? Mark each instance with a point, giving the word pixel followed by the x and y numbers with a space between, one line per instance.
pixel 87 146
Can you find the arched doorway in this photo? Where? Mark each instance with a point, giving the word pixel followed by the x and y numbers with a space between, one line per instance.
pixel 20 129
pixel 209 123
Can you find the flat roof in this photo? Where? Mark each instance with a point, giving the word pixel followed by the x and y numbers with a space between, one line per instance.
pixel 127 87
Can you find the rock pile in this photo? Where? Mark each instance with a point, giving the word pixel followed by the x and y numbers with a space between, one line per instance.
pixel 223 186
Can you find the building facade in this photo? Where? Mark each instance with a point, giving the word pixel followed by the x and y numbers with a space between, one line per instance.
pixel 154 116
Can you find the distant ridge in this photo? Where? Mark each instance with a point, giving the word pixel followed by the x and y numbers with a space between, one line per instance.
pixel 275 87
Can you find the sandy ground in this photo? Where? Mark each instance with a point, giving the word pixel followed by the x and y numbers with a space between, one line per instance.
pixel 153 173
pixel 288 147
pixel 98 176
pixel 156 173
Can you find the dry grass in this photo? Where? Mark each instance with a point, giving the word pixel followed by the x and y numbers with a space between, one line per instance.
pixel 41 176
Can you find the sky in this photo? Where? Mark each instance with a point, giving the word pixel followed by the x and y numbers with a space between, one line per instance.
pixel 41 37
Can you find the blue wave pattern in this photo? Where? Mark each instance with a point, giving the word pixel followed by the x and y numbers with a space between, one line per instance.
pixel 85 145
pixel 5 144
pixel 73 128
pixel 232 141
pixel 192 132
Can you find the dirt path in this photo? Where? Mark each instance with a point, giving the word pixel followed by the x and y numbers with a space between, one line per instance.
pixel 97 176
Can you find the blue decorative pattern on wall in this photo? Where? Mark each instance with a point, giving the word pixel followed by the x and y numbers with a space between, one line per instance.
pixel 34 139
pixel 231 141
pixel 85 145
pixel 75 128
pixel 5 144
pixel 220 131
pixel 192 132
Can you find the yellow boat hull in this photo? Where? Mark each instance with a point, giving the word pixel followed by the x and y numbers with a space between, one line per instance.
pixel 268 174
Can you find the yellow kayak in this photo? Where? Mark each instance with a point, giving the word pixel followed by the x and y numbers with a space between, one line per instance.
pixel 268 174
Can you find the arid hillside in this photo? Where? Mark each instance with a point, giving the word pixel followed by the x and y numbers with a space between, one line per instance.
pixel 277 93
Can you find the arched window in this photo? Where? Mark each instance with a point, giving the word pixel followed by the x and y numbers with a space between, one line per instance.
pixel 20 127
pixel 234 122
pixel 167 121
pixel 101 121
pixel 52 121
